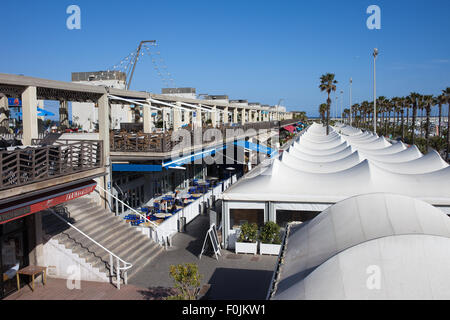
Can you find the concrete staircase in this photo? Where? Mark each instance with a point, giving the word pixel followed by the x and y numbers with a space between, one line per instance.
pixel 111 232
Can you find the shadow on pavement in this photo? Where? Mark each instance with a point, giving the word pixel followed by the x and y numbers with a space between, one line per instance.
pixel 239 284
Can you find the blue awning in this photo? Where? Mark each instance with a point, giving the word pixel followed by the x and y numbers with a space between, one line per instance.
pixel 253 146
pixel 191 158
pixel 123 167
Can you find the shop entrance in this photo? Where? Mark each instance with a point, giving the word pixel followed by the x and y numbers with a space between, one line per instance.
pixel 13 254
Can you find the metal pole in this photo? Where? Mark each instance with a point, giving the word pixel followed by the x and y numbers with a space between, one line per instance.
pixel 350 101
pixel 375 53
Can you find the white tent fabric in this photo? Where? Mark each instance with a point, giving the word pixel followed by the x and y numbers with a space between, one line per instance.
pixel 310 175
pixel 317 151
pixel 332 156
pixel 321 167
pixel 328 257
pixel 397 147
pixel 286 184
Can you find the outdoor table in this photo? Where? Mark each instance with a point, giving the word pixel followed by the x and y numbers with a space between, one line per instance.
pixel 31 271
pixel 162 215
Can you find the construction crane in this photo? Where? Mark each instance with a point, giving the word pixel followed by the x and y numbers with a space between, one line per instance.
pixel 136 59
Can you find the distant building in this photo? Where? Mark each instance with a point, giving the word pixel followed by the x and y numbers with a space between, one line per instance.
pixel 180 92
pixel 85 114
pixel 219 98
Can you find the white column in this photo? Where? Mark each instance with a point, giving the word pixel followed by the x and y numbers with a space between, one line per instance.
pixel 147 117
pixel 177 117
pixel 260 115
pixel 198 118
pixel 214 117
pixel 29 112
pixel 103 130
pixel 165 118
pixel 235 115
pixel 225 115
pixel 4 119
pixel 243 116
pixel 64 114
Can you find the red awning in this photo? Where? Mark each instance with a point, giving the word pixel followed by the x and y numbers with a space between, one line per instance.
pixel 25 207
pixel 291 129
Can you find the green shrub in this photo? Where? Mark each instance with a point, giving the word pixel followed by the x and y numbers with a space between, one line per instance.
pixel 249 233
pixel 187 281
pixel 270 233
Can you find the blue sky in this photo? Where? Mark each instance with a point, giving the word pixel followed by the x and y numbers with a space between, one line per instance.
pixel 256 50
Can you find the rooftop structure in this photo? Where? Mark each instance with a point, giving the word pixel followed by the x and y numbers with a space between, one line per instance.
pixel 319 170
pixel 336 254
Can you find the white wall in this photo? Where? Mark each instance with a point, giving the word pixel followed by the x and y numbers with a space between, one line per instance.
pixel 62 263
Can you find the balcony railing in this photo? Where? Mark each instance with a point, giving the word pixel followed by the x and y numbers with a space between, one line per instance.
pixel 39 163
pixel 162 142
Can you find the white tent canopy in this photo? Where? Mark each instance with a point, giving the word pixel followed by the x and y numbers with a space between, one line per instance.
pixel 309 172
pixel 329 256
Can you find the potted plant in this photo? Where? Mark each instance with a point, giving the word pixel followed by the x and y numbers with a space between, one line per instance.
pixel 270 239
pixel 246 242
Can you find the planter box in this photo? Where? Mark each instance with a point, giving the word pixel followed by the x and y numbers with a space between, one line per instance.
pixel 245 247
pixel 273 249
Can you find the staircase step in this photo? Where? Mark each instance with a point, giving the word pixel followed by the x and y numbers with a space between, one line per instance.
pixel 112 232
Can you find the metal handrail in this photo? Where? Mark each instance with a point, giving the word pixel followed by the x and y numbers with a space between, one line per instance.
pixel 154 225
pixel 127 265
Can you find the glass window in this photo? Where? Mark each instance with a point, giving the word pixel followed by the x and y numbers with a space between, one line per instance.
pixel 286 216
pixel 13 258
pixel 241 216
pixel 12 226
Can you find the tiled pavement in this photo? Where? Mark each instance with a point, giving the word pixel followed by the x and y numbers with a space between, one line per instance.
pixel 233 276
pixel 56 289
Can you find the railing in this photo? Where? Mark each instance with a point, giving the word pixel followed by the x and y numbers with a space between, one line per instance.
pixel 19 136
pixel 34 164
pixel 162 142
pixel 118 268
pixel 154 226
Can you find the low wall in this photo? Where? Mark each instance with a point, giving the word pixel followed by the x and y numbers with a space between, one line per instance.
pixel 62 263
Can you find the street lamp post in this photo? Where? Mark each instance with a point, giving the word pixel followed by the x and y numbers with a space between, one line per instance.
pixel 336 108
pixel 350 101
pixel 375 54
pixel 342 105
pixel 278 118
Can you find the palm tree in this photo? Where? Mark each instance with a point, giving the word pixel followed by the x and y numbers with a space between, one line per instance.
pixel 421 106
pixel 428 103
pixel 355 109
pixel 364 113
pixel 346 114
pixel 402 110
pixel 322 111
pixel 408 104
pixel 440 100
pixel 328 84
pixel 414 101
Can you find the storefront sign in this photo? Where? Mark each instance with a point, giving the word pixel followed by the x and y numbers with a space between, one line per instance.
pixel 45 204
pixel 14 102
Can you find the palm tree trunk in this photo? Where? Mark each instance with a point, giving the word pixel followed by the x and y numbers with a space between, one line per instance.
pixel 328 112
pixel 440 113
pixel 407 120
pixel 413 123
pixel 427 128
pixel 403 128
